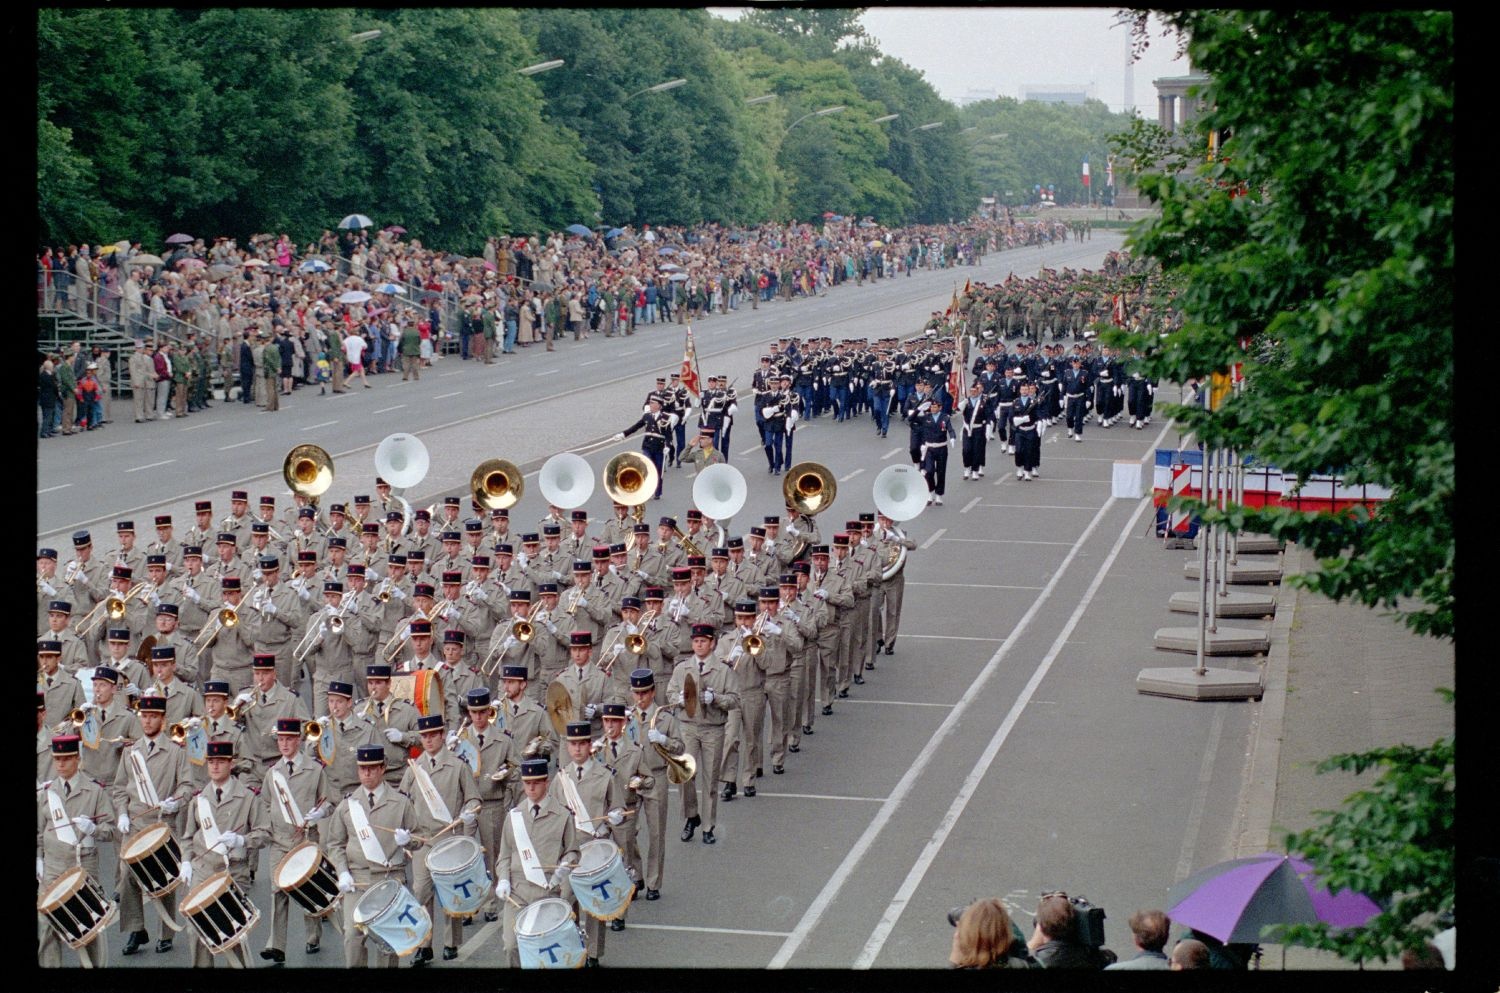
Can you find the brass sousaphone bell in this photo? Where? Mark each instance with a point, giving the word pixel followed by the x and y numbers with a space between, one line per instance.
pixel 630 479
pixel 809 488
pixel 496 484
pixel 308 471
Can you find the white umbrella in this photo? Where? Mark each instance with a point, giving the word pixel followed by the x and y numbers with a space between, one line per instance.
pixel 253 263
pixel 354 296
pixel 314 265
pixel 356 221
pixel 670 267
pixel 391 288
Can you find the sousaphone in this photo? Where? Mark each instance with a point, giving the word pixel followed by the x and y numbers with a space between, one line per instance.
pixel 496 484
pixel 809 489
pixel 566 481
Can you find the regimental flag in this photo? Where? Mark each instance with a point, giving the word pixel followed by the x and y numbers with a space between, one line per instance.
pixel 689 375
pixel 1109 171
pixel 1085 170
pixel 952 304
pixel 1117 312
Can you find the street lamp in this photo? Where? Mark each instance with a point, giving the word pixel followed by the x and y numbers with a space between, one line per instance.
pixel 817 113
pixel 670 84
pixel 928 127
pixel 365 36
pixel 755 100
pixel 887 117
pixel 966 130
pixel 541 67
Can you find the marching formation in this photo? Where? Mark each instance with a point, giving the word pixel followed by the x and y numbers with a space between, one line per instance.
pixel 425 720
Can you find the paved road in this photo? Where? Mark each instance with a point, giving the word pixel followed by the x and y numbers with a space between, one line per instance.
pixel 465 411
pixel 1001 751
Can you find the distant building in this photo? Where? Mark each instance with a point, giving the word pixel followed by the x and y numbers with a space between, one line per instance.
pixel 978 96
pixel 1073 94
pixel 1174 107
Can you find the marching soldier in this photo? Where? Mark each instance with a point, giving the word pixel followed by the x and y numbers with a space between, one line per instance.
pixel 219 726
pixel 127 554
pixel 369 838
pixel 151 784
pixel 590 791
pixel 226 828
pixel 134 673
pixel 539 834
pixel 62 689
pixel 441 787
pixel 392 718
pixel 893 590
pixel 277 618
pixel 498 754
pixel 266 702
pixel 586 608
pixel 625 760
pixel 584 681
pixel 835 588
pixel 787 718
pixel 113 729
pixel 522 717
pixel 202 531
pixel 183 701
pixel 300 795
pixel 658 425
pixel 1026 421
pixel 74 654
pixel 650 725
pixel 703 732
pixel 73 815
pixel 1075 390
pixel 232 648
pixel 165 545
pixel 332 656
pixel 86 578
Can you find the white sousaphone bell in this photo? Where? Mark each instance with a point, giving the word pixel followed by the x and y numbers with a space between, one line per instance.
pixel 900 493
pixel 401 460
pixel 719 492
pixel 566 481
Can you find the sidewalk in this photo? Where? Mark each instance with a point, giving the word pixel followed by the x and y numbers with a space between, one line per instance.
pixel 1344 679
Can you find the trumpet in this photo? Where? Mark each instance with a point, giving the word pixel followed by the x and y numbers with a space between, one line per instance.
pixel 501 774
pixel 74 568
pixel 75 719
pixel 44 586
pixel 578 595
pixel 313 729
pixel 237 712
pixel 178 732
pixel 383 591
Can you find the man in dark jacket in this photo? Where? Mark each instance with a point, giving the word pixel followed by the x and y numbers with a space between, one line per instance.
pixel 1054 937
pixel 247 369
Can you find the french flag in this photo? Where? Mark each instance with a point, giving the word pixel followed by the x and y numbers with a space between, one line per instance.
pixel 1085 170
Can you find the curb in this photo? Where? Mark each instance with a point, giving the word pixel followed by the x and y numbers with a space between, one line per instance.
pixel 1257 802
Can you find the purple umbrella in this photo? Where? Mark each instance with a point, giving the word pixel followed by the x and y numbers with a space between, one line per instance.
pixel 180 239
pixel 1235 901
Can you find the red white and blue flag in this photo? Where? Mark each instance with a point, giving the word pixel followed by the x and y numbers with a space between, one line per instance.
pixel 1085 170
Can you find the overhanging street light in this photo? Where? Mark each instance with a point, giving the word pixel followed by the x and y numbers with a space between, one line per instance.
pixel 928 127
pixel 817 113
pixel 365 36
pixel 541 67
pixel 755 100
pixel 887 117
pixel 670 84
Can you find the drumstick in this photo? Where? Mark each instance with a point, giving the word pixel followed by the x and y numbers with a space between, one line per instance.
pixel 605 816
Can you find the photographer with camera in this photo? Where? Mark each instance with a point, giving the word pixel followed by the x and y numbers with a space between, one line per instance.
pixel 1067 938
pixel 984 938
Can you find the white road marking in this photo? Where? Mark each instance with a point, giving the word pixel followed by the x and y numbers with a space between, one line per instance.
pixel 113 444
pixel 663 344
pixel 845 479
pixel 59 486
pixel 631 352
pixel 1038 506
pixel 856 854
pixel 549 372
pixel 702 930
pixel 503 382
pixel 313 427
pixel 911 703
pixel 153 465
pixel 933 540
pixel 981 768
pixel 752 448
pixel 205 424
pixel 970 505
pixel 384 410
pixel 967 586
pixel 822 796
pixel 455 372
pixel 590 362
pixel 1008 541
pixel 1200 796
pixel 444 396
pixel 242 444
pixel 891 454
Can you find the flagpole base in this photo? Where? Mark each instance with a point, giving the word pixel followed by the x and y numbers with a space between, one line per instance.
pixel 1250 569
pixel 1232 604
pixel 1224 641
pixel 1190 684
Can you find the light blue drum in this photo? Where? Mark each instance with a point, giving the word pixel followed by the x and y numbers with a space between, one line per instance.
pixel 547 936
pixel 601 882
pixel 388 915
pixel 458 875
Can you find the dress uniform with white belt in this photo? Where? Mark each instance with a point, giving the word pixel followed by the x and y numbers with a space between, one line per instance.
pixel 151 784
pixel 73 815
pixel 368 841
pixel 440 786
pixel 298 795
pixel 594 798
pixel 538 847
pixel 226 828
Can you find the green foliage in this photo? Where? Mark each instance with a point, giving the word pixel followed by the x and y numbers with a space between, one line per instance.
pixel 1337 266
pixel 1392 841
pixel 1045 143
pixel 816 31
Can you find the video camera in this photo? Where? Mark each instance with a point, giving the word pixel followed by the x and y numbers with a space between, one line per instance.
pixel 1090 919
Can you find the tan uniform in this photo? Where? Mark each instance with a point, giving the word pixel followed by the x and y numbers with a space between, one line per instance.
pixel 235 809
pixel 455 786
pixel 309 787
pixel 81 797
pixel 600 790
pixel 167 765
pixel 390 810
pixel 393 713
pixel 703 735
pixel 653 798
pixel 554 839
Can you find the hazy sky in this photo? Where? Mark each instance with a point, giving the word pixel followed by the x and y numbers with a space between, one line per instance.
pixel 1006 48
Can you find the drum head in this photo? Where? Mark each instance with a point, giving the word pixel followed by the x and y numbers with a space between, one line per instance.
pixel 207 892
pixel 376 900
pixel 453 853
pixel 542 916
pixel 69 883
pixel 596 855
pixel 299 863
pixel 145 841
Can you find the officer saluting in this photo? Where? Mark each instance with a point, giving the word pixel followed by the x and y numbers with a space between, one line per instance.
pixel 658 426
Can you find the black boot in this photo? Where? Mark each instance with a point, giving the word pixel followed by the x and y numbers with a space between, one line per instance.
pixel 690 827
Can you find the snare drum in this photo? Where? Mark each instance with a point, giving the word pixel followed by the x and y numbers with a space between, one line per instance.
pixel 154 859
pixel 548 937
pixel 601 883
pixel 76 908
pixel 458 875
pixel 220 912
pixel 391 917
pixel 306 875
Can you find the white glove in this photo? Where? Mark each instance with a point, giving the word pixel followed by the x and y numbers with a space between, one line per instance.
pixel 393 735
pixel 124 823
pixel 681 699
pixel 618 436
pixel 304 594
pixel 642 573
pixel 84 825
pixel 232 841
pixel 132 690
pixel 39 868
pixel 793 530
pixel 738 651
pixel 820 593
pixel 269 608
pixel 602 831
pixel 398 593
pixel 502 889
pixel 772 627
pixel 50 590
pixel 452 739
pixel 468 817
pixel 317 813
pixel 656 737
pixel 193 595
pixel 562 873
pixel 615 817
pixel 707 696
pixel 245 697
pixel 169 805
pixel 346 883
pixel 588 711
pixel 484 597
pixel 187 871
pixel 155 599
pixel 403 837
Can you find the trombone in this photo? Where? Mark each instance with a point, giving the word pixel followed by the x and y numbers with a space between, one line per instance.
pixel 636 643
pixel 225 617
pixel 402 635
pixel 111 606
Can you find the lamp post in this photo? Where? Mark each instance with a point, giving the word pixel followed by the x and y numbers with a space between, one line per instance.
pixel 887 117
pixel 670 84
pixel 762 99
pixel 541 67
pixel 365 36
pixel 929 126
pixel 816 113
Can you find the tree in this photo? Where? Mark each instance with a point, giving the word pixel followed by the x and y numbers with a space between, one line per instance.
pixel 816 31
pixel 1337 269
